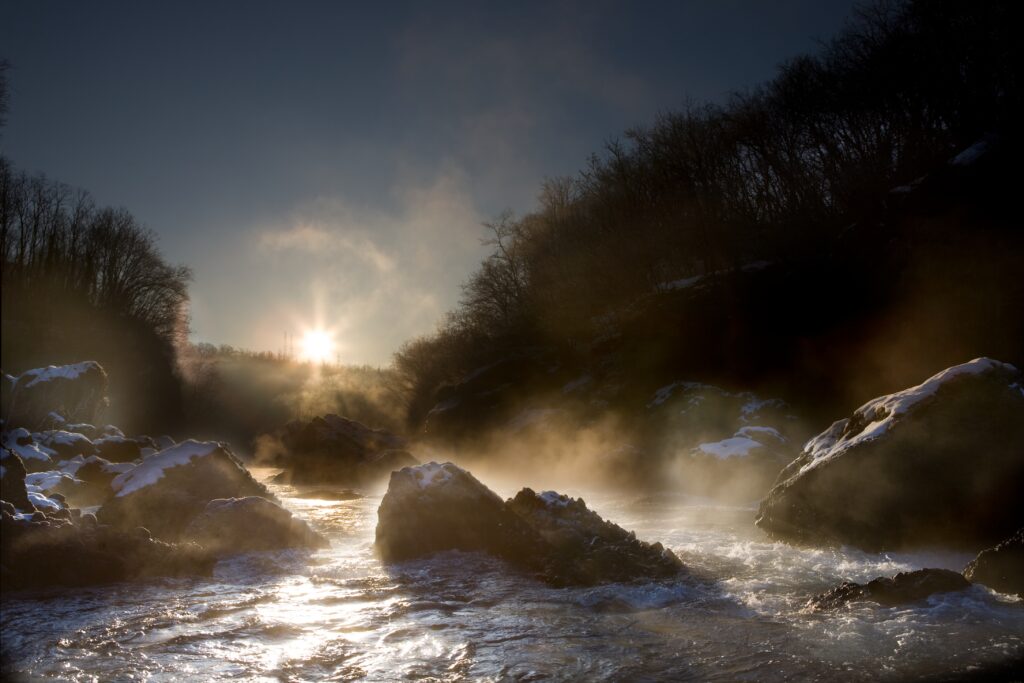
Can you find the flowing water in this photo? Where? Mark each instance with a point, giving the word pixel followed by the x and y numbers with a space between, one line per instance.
pixel 339 614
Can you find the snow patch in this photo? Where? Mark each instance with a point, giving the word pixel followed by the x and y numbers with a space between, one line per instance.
pixel 41 501
pixel 52 372
pixel 432 474
pixel 554 499
pixel 880 414
pixel 152 469
pixel 46 481
pixel 733 447
pixel 29 450
pixel 971 154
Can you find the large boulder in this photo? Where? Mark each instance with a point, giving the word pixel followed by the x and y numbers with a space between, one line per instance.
pixel 941 463
pixel 432 508
pixel 904 588
pixel 12 481
pixel 336 450
pixel 1001 567
pixel 168 490
pixel 237 525
pixel 90 480
pixel 118 448
pixel 583 549
pixel 77 391
pixel 48 551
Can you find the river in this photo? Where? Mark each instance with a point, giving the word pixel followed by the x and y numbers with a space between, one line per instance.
pixel 339 614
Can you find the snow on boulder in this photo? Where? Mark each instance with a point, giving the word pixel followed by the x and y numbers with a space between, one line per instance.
pixel 436 507
pixel 167 490
pixel 91 480
pixel 12 481
pixel 583 549
pixel 940 463
pixel 35 457
pixel 64 444
pixel 238 525
pixel 77 391
pixel 1002 567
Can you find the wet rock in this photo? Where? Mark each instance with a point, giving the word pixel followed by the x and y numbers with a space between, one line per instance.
pixel 584 549
pixel 77 391
pixel 12 481
pixel 1001 567
pixel 940 463
pixel 905 587
pixel 336 450
pixel 118 448
pixel 55 552
pixel 168 490
pixel 432 508
pixel 237 525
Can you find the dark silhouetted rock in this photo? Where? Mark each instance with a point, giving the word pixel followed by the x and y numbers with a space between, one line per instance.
pixel 940 463
pixel 584 549
pixel 118 448
pixel 77 391
pixel 432 508
pixel 1001 567
pixel 12 481
pixel 56 552
pixel 237 525
pixel 336 450
pixel 167 491
pixel 905 587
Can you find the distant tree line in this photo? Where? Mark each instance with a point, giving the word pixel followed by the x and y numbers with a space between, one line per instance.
pixel 772 175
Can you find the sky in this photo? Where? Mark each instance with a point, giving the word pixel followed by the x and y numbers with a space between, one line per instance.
pixel 330 164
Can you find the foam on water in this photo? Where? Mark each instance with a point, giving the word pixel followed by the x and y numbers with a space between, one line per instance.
pixel 339 614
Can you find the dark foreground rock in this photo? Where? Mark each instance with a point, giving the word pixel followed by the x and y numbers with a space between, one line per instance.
pixel 584 549
pixel 168 490
pixel 336 450
pixel 1001 567
pixel 905 587
pixel 59 552
pixel 12 481
pixel 940 463
pixel 432 508
pixel 238 525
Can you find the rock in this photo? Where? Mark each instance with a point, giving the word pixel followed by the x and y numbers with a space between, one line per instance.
pixel 168 490
pixel 83 428
pixel 12 481
pixel 77 391
pixel 93 477
pixel 51 552
pixel 237 525
pixel 336 450
pixel 739 467
pixel 118 448
pixel 940 463
pixel 905 587
pixel 163 442
pixel 1002 567
pixel 36 458
pixel 587 550
pixel 432 508
pixel 64 444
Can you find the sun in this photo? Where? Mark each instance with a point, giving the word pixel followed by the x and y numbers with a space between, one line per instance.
pixel 317 346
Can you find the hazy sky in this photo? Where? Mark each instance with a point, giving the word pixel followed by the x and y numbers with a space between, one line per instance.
pixel 332 162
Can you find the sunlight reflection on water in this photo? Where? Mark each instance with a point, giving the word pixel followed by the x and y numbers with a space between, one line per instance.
pixel 340 615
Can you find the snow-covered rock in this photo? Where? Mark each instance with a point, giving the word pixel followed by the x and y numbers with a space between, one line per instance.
pixel 76 391
pixel 12 481
pixel 37 458
pixel 237 525
pixel 938 463
pixel 65 444
pixel 1001 567
pixel 167 490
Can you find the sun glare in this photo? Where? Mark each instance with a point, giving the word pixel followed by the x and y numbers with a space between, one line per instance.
pixel 317 346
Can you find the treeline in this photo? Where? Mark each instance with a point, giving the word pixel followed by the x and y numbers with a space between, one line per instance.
pixel 772 176
pixel 84 281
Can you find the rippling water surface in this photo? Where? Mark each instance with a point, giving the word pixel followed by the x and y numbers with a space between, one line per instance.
pixel 340 615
